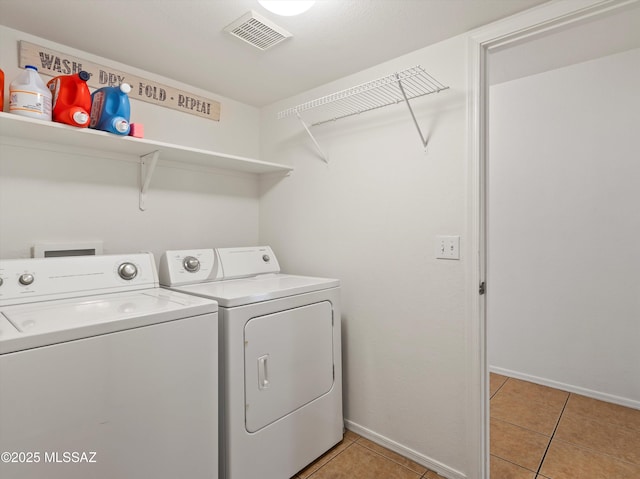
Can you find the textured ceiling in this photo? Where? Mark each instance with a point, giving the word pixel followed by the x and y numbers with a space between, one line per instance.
pixel 183 39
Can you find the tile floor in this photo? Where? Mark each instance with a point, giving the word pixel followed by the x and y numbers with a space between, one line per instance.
pixel 539 432
pixel 358 458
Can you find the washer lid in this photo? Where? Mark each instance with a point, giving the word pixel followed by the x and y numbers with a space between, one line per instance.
pixel 239 292
pixel 49 322
pixel 7 330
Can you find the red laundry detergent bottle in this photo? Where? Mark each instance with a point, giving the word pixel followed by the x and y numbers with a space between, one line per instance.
pixel 110 109
pixel 71 99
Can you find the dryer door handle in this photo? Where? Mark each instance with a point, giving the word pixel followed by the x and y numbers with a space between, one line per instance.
pixel 263 372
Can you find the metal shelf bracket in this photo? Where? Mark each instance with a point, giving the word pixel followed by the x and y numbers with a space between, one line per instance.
pixel 413 116
pixel 323 157
pixel 148 164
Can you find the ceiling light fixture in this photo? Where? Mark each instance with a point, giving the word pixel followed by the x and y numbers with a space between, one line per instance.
pixel 287 8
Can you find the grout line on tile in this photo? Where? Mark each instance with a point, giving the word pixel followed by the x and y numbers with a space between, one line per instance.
pixel 418 476
pixel 602 420
pixel 514 463
pixel 523 427
pixel 501 386
pixel 356 440
pixel 424 476
pixel 345 448
pixel 351 443
pixel 552 434
pixel 536 400
pixel 391 460
pixel 597 451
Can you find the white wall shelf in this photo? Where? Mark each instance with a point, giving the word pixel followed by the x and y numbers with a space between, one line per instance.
pixel 389 90
pixel 148 151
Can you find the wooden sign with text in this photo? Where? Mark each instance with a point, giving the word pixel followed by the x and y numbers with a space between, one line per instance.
pixel 52 63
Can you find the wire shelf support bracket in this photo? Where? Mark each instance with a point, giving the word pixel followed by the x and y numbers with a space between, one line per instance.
pixel 315 142
pixel 389 90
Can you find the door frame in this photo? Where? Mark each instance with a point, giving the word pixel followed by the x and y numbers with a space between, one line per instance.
pixel 545 18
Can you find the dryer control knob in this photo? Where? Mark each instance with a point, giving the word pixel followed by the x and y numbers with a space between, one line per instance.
pixel 127 271
pixel 266 258
pixel 1 281
pixel 191 264
pixel 26 279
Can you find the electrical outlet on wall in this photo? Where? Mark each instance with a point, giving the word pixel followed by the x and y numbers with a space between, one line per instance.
pixel 448 247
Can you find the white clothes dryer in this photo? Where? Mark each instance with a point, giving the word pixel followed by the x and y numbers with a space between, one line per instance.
pixel 280 344
pixel 104 374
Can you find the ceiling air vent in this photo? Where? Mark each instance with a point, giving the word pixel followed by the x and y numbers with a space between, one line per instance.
pixel 257 31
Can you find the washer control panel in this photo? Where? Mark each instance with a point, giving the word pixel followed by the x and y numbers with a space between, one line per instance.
pixel 37 279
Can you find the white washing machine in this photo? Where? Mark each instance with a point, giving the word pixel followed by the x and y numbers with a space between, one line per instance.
pixel 103 374
pixel 281 379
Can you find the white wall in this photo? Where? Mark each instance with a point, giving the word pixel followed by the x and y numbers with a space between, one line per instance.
pixel 56 196
pixel 370 218
pixel 564 221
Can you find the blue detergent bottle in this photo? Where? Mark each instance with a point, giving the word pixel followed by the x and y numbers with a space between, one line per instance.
pixel 110 109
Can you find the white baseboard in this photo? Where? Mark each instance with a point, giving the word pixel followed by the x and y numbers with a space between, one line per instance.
pixel 415 456
pixel 622 401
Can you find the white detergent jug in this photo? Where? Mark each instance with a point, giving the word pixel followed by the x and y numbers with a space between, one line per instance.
pixel 29 96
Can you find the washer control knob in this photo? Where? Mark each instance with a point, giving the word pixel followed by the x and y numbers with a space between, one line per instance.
pixel 191 264
pixel 266 258
pixel 127 271
pixel 26 279
pixel 1 281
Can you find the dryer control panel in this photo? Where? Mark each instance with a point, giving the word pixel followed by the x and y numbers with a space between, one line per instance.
pixel 178 267
pixel 191 266
pixel 247 261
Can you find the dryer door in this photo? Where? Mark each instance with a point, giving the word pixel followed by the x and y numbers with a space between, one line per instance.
pixel 288 362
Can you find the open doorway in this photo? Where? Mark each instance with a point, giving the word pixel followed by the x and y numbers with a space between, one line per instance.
pixel 563 205
pixel 556 156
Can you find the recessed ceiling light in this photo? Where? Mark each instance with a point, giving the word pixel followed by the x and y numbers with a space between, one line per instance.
pixel 287 8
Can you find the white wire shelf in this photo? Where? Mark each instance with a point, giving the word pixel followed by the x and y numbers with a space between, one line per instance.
pixel 392 89
pixel 372 95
